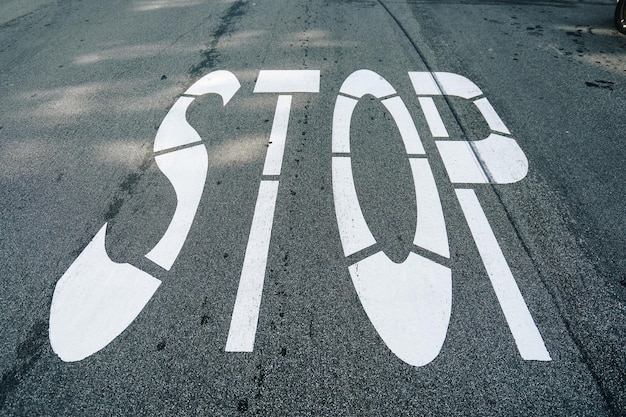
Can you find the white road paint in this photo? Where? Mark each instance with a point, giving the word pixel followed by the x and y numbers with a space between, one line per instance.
pixel 409 304
pixel 404 121
pixel 443 83
pixel 224 83
pixel 430 229
pixel 357 85
pixel 457 85
pixel 186 169
pixel 248 302
pixel 461 162
pixel 288 81
pixel 354 233
pixel 95 300
pixel 174 130
pixel 527 337
pixel 278 136
pixel 245 317
pixel 342 117
pixel 433 118
pixel 495 159
pixel 489 113
pixel 363 82
pixel 425 84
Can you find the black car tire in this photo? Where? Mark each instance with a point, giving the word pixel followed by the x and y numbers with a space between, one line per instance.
pixel 620 16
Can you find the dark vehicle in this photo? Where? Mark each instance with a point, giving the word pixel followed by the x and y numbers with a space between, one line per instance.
pixel 620 16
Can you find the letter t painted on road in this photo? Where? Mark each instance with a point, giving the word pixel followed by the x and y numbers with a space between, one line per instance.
pixel 248 302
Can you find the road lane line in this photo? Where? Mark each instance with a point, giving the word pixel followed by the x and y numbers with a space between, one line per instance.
pixel 527 337
pixel 404 122
pixel 288 81
pixel 354 233
pixel 248 302
pixel 430 227
pixel 489 113
pixel 278 136
pixel 433 118
pixel 342 118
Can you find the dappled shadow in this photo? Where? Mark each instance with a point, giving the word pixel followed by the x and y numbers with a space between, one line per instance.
pixel 79 111
pixel 81 104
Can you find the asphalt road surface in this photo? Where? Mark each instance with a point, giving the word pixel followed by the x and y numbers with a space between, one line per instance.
pixel 354 208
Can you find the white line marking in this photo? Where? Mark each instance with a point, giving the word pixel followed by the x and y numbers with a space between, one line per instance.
pixel 424 84
pixel 504 160
pixel 186 169
pixel 433 118
pixel 461 163
pixel 342 116
pixel 446 83
pixel 288 81
pixel 457 85
pixel 406 126
pixel 278 136
pixel 527 337
pixel 489 113
pixel 354 233
pixel 248 302
pixel 430 230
